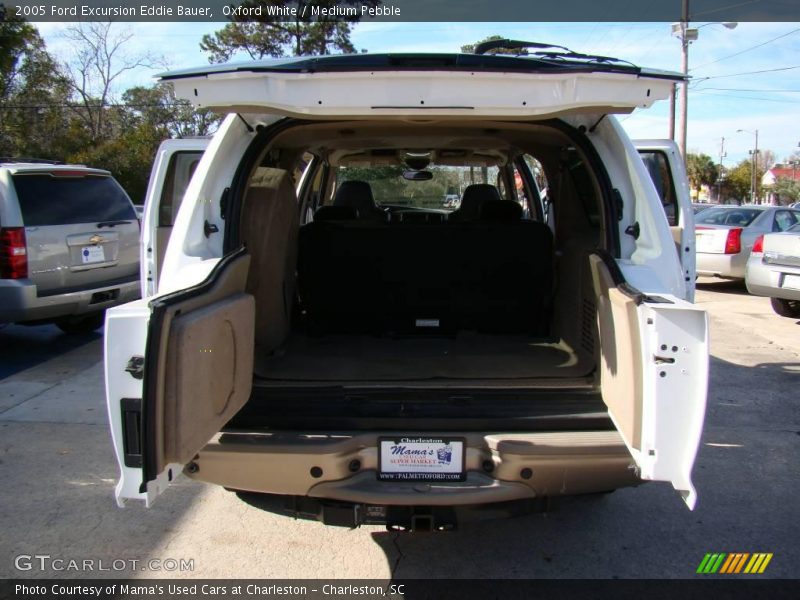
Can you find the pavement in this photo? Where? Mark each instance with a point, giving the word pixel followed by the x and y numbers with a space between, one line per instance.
pixel 59 471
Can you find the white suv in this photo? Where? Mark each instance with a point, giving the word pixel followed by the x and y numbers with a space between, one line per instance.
pixel 326 334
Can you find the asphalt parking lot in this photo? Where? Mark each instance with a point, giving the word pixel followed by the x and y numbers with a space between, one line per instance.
pixel 58 474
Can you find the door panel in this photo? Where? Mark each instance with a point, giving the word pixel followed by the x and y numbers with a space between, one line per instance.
pixel 620 367
pixel 214 341
pixel 199 366
pixel 653 374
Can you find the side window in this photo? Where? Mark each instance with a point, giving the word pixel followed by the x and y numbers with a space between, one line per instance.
pixel 313 191
pixel 783 220
pixel 536 171
pixel 179 172
pixel 658 168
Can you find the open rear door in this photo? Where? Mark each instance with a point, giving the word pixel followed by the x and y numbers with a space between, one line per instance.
pixel 668 173
pixel 173 167
pixel 654 375
pixel 196 373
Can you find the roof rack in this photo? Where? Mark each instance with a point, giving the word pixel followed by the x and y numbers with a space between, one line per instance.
pixel 565 52
pixel 26 159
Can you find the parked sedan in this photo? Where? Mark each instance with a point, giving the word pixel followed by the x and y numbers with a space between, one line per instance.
pixel 773 270
pixel 725 235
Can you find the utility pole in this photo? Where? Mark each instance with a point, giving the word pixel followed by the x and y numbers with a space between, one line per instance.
pixel 719 173
pixel 672 111
pixel 683 117
pixel 753 166
pixel 755 169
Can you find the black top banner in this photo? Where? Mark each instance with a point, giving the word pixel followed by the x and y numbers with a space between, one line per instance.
pixel 403 10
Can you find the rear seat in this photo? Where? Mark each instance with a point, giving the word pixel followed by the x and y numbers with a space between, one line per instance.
pixel 493 275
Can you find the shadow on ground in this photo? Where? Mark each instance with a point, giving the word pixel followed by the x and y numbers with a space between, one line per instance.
pixel 22 347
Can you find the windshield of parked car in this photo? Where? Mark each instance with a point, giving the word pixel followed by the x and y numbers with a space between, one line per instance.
pixel 741 217
pixel 442 191
pixel 45 199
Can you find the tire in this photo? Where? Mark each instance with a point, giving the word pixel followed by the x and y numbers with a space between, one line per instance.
pixel 81 324
pixel 786 308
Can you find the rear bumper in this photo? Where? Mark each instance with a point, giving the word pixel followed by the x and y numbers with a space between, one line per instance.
pixel 767 280
pixel 499 467
pixel 731 266
pixel 20 302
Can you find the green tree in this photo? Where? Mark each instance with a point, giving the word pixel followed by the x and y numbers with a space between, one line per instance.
pixel 470 48
pixel 157 107
pixel 145 117
pixel 272 36
pixel 33 121
pixel 787 189
pixel 701 170
pixel 99 59
pixel 737 183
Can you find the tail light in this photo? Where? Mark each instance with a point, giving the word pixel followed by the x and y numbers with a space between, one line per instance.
pixel 13 253
pixel 733 243
pixel 758 245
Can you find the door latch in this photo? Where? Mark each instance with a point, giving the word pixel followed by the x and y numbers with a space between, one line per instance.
pixel 209 228
pixel 136 367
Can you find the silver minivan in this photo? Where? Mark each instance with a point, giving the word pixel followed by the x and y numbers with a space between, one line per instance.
pixel 69 245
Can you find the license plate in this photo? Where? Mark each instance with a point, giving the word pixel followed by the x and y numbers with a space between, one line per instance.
pixel 704 242
pixel 92 254
pixel 420 458
pixel 791 282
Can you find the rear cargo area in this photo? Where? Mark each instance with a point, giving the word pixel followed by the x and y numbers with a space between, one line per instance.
pixel 343 359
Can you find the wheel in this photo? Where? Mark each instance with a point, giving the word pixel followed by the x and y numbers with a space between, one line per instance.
pixel 81 324
pixel 786 308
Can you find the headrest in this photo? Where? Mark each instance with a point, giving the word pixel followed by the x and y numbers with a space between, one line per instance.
pixel 335 213
pixel 501 210
pixel 474 197
pixel 355 194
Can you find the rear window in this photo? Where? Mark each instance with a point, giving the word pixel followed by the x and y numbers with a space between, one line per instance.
pixel 442 191
pixel 727 216
pixel 48 200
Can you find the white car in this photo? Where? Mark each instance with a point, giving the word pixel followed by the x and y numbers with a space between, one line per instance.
pixel 354 368
pixel 774 271
pixel 726 234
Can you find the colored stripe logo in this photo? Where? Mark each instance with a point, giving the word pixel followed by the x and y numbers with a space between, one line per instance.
pixel 734 563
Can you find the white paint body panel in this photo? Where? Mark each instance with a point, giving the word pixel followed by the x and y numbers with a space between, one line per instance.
pixel 420 94
pixel 126 336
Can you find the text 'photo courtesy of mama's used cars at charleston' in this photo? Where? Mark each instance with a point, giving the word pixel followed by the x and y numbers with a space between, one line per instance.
pixel 69 245
pixel 334 337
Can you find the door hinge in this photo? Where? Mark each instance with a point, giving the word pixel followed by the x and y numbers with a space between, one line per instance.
pixel 209 228
pixel 136 367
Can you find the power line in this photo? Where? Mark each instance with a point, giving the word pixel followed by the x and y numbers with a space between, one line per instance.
pixel 747 97
pixel 749 90
pixel 747 73
pixel 747 49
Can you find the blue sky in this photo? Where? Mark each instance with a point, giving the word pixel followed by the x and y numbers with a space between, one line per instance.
pixel 732 98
